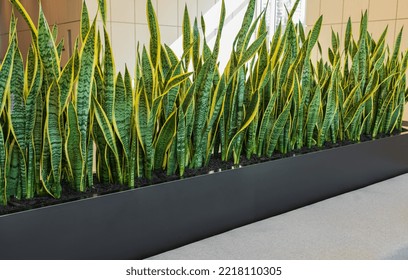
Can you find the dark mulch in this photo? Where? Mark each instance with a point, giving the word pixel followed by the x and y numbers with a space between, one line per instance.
pixel 215 165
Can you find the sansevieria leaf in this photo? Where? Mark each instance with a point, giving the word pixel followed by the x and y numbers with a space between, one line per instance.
pixel 122 115
pixel 47 49
pixel 312 116
pixel 84 88
pixel 6 70
pixel 252 110
pixel 155 42
pixel 3 188
pixel 181 141
pixel 187 36
pixel 330 111
pixel 103 10
pixel 278 127
pixel 72 146
pixel 108 134
pixel 52 123
pixel 17 116
pixel 85 25
pixel 20 8
pixel 58 119
pixel 109 77
pixel 164 140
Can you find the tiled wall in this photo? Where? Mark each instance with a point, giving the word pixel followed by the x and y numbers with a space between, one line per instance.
pixel 128 25
pixel 126 22
pixel 64 13
pixel 381 13
pixel 24 33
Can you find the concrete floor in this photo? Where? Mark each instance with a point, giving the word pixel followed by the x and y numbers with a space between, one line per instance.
pixel 370 223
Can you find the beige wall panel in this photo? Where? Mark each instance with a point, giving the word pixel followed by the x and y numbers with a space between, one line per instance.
pixel 332 11
pixel 142 35
pixel 24 41
pixel 3 45
pixel 399 25
pixel 168 12
pixel 203 6
pixel 49 8
pixel 312 11
pixel 123 10
pixel 168 34
pixel 69 32
pixel 382 9
pixel 402 9
pixel 375 28
pixel 405 116
pixel 354 9
pixel 63 34
pixel 5 11
pixel 123 38
pixel 58 11
pixel 179 31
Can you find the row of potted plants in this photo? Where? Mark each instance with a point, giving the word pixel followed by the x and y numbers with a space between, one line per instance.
pixel 172 113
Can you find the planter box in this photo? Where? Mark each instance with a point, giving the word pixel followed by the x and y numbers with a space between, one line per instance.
pixel 142 222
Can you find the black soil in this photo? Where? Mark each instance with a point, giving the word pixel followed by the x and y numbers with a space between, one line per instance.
pixel 159 176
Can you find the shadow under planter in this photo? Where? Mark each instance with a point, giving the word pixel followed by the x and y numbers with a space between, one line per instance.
pixel 143 222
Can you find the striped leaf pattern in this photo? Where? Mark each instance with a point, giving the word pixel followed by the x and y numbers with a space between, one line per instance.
pixel 175 113
pixel 83 98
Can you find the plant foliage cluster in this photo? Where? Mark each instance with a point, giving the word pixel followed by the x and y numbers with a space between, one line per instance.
pixel 175 113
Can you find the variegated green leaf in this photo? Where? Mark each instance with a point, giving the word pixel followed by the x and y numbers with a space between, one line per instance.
pixel 85 25
pixel 3 159
pixel 84 89
pixel 155 42
pixel 103 10
pixel 66 83
pixel 250 115
pixel 148 76
pixel 108 78
pixel 72 146
pixel 266 119
pixel 122 115
pixel 20 8
pixel 108 134
pixel 187 36
pixel 47 49
pixel 330 111
pixel 246 23
pixel 312 116
pixel 196 47
pixel 6 70
pixel 181 141
pixel 164 140
pixel 52 124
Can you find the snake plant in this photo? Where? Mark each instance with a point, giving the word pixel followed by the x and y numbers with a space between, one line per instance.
pixel 172 113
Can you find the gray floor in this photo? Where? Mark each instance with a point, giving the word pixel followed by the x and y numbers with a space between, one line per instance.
pixel 370 223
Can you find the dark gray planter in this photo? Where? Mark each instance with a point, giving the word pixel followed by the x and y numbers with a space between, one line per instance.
pixel 142 222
